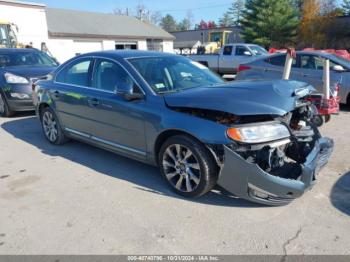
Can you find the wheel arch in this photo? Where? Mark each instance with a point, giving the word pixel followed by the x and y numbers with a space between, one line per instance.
pixel 41 108
pixel 205 63
pixel 163 136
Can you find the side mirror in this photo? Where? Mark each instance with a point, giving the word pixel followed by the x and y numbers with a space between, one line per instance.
pixel 247 53
pixel 338 68
pixel 126 91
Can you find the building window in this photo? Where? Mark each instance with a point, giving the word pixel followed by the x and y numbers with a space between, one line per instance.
pixel 155 45
pixel 126 46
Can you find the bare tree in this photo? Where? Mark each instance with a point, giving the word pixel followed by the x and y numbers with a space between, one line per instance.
pixel 142 13
pixel 120 11
pixel 190 19
pixel 156 18
pixel 327 6
pixel 346 7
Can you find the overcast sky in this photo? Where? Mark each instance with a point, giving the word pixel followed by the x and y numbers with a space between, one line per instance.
pixel 206 9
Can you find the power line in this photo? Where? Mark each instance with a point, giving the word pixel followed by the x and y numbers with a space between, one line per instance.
pixel 195 8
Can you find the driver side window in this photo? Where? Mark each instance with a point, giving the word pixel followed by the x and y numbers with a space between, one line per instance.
pixel 308 62
pixel 240 50
pixel 108 75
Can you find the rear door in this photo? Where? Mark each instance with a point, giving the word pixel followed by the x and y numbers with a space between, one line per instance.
pixel 70 94
pixel 273 67
pixel 226 60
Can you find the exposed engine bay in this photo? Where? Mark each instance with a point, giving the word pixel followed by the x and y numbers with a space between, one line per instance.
pixel 282 158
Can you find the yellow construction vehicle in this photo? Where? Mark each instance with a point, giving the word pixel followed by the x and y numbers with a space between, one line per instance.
pixel 216 40
pixel 8 37
pixel 219 36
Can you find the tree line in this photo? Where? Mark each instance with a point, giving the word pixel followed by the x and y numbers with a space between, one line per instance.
pixel 270 23
pixel 298 23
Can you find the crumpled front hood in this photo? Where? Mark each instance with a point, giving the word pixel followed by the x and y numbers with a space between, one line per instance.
pixel 241 98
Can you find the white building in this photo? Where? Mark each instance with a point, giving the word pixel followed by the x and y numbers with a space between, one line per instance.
pixel 30 18
pixel 69 32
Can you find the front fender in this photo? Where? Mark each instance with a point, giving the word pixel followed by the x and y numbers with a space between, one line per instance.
pixel 41 97
pixel 206 131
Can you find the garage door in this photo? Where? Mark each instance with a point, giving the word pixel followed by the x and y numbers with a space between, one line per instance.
pixel 82 47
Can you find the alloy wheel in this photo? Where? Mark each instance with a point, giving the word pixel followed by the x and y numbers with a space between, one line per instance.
pixel 181 168
pixel 2 105
pixel 50 126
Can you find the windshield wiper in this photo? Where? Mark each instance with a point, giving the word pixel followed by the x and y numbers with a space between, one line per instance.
pixel 170 91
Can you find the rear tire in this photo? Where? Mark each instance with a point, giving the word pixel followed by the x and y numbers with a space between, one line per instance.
pixel 318 120
pixel 187 166
pixel 51 127
pixel 5 111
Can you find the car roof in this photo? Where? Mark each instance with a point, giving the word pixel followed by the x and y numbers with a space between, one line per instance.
pixel 243 44
pixel 306 53
pixel 18 50
pixel 127 54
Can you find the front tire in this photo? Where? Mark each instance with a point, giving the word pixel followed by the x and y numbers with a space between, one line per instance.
pixel 187 166
pixel 5 111
pixel 51 127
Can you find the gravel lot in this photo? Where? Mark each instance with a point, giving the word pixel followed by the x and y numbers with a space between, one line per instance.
pixel 76 199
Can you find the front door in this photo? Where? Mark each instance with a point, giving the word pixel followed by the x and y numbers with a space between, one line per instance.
pixel 310 70
pixel 117 123
pixel 242 55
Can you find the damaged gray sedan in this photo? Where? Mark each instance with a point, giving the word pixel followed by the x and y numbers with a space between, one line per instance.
pixel 255 139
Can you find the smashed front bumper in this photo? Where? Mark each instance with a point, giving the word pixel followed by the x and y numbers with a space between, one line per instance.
pixel 249 181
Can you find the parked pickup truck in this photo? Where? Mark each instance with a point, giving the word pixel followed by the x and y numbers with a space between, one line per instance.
pixel 230 57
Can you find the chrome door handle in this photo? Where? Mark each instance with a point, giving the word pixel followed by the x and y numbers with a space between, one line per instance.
pixel 56 93
pixel 93 102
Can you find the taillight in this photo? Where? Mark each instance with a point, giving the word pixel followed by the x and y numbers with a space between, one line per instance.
pixel 243 68
pixel 336 90
pixel 337 87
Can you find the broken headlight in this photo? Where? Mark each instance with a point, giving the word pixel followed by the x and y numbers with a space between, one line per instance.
pixel 258 133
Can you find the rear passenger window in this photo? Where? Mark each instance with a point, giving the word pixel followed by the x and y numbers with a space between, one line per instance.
pixel 277 60
pixel 75 74
pixel 227 50
pixel 280 61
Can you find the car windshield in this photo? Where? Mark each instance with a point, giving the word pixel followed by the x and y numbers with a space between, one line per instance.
pixel 26 59
pixel 258 50
pixel 175 73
